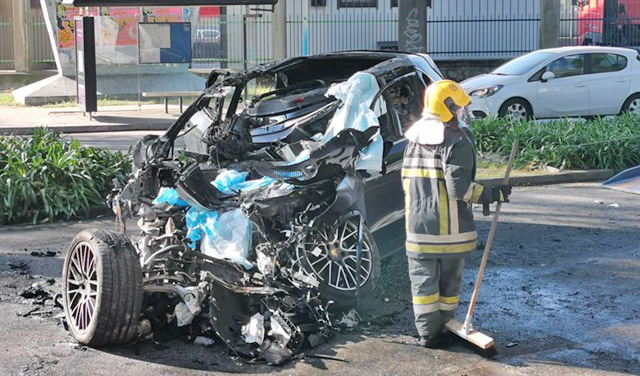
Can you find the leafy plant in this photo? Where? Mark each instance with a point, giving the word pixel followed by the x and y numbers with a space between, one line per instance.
pixel 601 143
pixel 45 176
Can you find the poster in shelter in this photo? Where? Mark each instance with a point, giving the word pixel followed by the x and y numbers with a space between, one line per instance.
pixel 118 26
pixel 65 25
pixel 168 14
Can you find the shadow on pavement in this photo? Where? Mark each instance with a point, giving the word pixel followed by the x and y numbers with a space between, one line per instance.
pixel 553 296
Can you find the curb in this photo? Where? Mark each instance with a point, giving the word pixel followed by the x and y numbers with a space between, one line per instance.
pixel 555 178
pixel 95 212
pixel 160 125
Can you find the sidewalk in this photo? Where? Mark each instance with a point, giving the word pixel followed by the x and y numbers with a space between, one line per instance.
pixel 21 120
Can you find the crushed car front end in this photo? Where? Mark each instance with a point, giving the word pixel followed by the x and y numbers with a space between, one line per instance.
pixel 251 212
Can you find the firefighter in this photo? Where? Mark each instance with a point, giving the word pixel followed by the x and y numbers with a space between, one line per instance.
pixel 438 175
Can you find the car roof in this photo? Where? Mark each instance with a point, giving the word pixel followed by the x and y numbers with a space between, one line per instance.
pixel 589 49
pixel 422 61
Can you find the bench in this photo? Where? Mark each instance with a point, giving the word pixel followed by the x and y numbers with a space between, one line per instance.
pixel 170 94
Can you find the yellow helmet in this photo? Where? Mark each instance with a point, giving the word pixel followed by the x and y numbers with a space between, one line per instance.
pixel 440 95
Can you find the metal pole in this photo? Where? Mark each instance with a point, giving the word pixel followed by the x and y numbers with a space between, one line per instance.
pixel 244 41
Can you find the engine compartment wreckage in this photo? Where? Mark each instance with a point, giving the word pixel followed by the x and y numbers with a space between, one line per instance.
pixel 257 228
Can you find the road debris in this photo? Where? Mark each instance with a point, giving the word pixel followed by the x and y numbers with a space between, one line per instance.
pixel 327 357
pixel 43 254
pixel 21 267
pixel 204 341
pixel 350 319
pixel 37 292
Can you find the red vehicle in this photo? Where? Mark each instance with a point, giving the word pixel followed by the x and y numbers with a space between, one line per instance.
pixel 609 22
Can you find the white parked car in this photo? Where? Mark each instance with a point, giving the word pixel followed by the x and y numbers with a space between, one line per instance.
pixel 559 82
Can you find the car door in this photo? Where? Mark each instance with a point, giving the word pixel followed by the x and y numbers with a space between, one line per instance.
pixel 398 106
pixel 609 82
pixel 568 93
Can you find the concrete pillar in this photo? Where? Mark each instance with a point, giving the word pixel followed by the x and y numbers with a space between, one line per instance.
pixel 279 30
pixel 412 25
pixel 549 23
pixel 20 42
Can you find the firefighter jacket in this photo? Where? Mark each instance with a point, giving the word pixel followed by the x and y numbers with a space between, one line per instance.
pixel 439 190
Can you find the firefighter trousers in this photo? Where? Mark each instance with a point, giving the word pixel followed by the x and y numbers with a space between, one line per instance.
pixel 435 286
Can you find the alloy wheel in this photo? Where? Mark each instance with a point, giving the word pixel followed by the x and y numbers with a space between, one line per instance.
pixel 634 106
pixel 82 287
pixel 517 112
pixel 331 255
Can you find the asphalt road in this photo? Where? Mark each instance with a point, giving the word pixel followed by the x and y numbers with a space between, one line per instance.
pixel 560 297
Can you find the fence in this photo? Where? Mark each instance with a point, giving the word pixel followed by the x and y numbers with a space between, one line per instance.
pixel 6 42
pixel 40 52
pixel 241 35
pixel 456 29
pixel 600 22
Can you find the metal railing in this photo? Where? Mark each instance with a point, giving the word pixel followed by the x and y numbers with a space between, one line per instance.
pixel 40 52
pixel 6 42
pixel 464 29
pixel 241 36
pixel 456 29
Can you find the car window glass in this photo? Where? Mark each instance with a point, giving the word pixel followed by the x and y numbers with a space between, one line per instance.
pixel 256 87
pixel 602 63
pixel 538 75
pixel 406 97
pixel 567 66
pixel 523 64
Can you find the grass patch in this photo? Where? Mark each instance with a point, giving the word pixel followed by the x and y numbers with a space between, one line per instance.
pixel 489 167
pixel 7 99
pixel 611 143
pixel 46 177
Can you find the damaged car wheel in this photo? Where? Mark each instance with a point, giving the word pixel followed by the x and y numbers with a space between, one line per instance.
pixel 331 256
pixel 102 288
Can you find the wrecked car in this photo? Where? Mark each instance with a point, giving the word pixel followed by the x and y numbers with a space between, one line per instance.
pixel 261 211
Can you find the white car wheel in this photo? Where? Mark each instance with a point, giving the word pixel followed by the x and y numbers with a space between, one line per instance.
pixel 632 105
pixel 515 110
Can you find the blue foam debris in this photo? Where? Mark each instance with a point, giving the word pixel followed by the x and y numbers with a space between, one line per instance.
pixel 169 196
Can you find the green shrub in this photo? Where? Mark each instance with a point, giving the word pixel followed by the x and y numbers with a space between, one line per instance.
pixel 46 177
pixel 601 143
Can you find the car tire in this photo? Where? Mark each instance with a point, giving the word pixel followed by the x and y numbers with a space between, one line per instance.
pixel 316 259
pixel 102 288
pixel 631 105
pixel 516 110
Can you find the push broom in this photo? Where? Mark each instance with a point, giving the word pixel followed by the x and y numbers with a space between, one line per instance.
pixel 465 330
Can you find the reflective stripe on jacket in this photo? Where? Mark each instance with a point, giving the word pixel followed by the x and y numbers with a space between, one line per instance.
pixel 439 189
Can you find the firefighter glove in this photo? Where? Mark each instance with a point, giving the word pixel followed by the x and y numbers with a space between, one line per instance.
pixel 501 193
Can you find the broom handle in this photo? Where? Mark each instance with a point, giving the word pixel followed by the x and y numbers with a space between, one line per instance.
pixel 487 247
